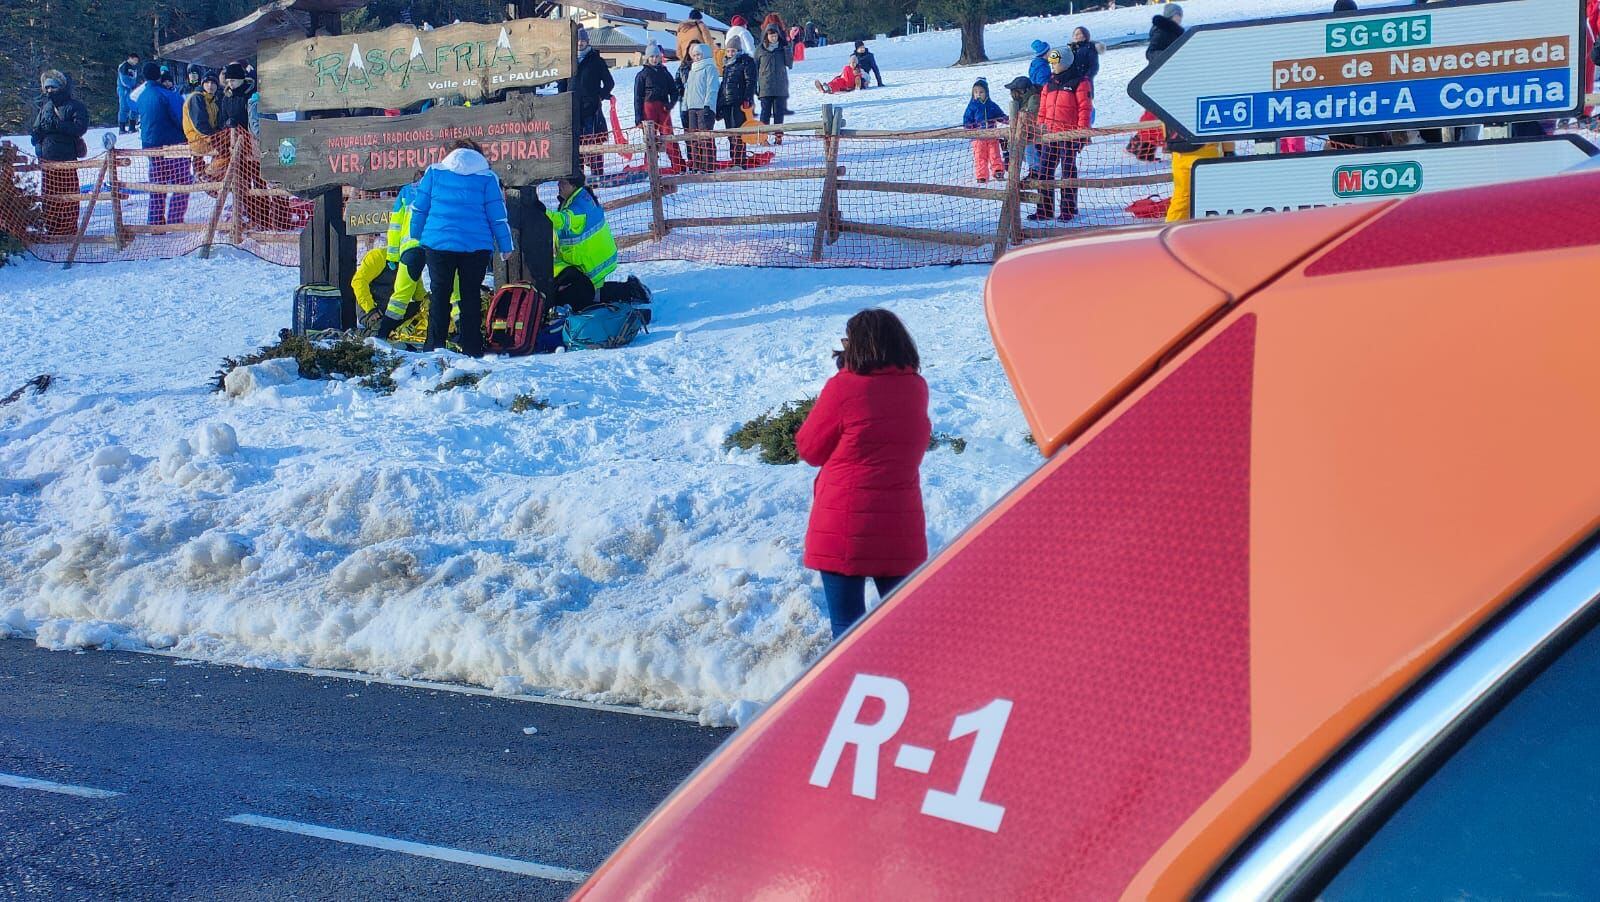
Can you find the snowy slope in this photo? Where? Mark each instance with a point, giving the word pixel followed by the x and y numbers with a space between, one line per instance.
pixel 607 547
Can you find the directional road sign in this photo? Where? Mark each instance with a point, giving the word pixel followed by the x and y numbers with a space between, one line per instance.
pixel 1272 184
pixel 1399 67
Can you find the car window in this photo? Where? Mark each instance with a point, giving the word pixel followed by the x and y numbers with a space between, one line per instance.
pixel 1513 814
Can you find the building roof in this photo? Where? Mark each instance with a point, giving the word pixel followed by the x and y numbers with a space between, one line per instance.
pixel 237 40
pixel 611 37
pixel 650 10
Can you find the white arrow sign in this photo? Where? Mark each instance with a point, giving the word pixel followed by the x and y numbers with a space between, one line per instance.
pixel 1272 184
pixel 356 62
pixel 1403 67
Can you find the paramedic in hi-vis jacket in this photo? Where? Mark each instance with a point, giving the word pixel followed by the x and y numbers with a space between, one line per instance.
pixel 585 252
pixel 398 266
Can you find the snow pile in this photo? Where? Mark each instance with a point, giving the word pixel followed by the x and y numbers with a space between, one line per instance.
pixel 605 547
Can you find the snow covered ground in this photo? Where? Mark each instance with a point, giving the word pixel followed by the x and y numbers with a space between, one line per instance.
pixel 606 548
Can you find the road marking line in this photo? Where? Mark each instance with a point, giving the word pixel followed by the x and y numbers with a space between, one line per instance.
pixel 423 850
pixel 66 789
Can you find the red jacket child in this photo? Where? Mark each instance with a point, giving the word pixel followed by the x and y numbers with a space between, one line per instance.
pixel 868 433
pixel 848 80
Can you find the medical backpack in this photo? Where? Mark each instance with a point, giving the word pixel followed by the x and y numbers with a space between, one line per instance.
pixel 318 307
pixel 512 319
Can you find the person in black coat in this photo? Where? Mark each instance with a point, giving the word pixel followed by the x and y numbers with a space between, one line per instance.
pixel 591 85
pixel 740 75
pixel 655 93
pixel 1164 30
pixel 57 134
pixel 867 64
pixel 233 104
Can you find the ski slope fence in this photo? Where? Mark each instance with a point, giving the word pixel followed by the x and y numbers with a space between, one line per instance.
pixel 809 194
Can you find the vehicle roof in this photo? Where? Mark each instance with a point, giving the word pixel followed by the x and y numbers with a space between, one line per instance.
pixel 1354 436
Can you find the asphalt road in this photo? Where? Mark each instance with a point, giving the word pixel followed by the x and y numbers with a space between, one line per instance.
pixel 187 746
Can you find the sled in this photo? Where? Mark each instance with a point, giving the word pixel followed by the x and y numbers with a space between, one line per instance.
pixel 616 129
pixel 754 138
pixel 751 161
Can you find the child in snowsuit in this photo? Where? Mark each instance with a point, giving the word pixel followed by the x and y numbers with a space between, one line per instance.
pixel 983 113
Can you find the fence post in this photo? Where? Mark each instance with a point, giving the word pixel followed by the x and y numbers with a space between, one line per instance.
pixel 828 211
pixel 241 199
pixel 83 221
pixel 652 164
pixel 222 195
pixel 116 198
pixel 1013 202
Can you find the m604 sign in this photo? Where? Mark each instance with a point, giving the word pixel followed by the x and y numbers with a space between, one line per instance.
pixel 1270 184
pixel 1377 179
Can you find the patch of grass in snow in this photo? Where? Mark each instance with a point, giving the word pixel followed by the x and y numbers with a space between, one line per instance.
pixel 323 359
pixel 773 432
pixel 525 402
pixel 459 380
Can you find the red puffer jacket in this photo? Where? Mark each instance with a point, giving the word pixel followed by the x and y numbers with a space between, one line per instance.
pixel 868 434
pixel 1065 108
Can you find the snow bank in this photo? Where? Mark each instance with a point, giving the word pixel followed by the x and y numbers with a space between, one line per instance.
pixel 606 548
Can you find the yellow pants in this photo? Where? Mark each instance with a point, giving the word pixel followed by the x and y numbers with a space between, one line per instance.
pixel 1183 178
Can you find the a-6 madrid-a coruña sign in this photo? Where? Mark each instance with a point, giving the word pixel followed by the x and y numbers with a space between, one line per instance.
pixel 1389 68
pixel 400 66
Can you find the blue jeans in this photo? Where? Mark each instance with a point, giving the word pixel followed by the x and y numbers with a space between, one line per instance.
pixel 847 597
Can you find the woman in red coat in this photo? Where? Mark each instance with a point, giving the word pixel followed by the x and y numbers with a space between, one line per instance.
pixel 868 432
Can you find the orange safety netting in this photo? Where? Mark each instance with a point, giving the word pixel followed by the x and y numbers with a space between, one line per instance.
pixel 894 199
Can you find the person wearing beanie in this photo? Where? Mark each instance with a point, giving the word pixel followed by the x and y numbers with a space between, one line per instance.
pixel 591 85
pixel 1038 69
pixel 867 63
pixel 161 125
pixel 1060 110
pixel 983 113
pixel 738 32
pixel 690 33
pixel 655 92
pixel 57 134
pixel 1164 30
pixel 233 105
pixel 200 125
pixel 740 76
pixel 195 80
pixel 700 89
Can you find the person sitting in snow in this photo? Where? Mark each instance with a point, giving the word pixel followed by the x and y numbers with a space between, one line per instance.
pixel 848 80
pixel 586 252
pixel 866 63
pixel 983 113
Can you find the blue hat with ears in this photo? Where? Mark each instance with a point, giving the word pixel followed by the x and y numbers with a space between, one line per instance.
pixel 1040 47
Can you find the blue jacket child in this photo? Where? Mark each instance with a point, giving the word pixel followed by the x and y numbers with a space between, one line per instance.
pixel 1039 67
pixel 981 111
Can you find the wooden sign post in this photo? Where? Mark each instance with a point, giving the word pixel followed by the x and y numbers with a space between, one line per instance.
pixel 527 138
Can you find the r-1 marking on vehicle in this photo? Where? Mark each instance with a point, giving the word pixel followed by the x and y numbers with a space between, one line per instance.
pixel 966 804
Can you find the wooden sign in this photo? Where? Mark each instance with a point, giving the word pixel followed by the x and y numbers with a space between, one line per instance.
pixel 402 65
pixel 527 138
pixel 367 216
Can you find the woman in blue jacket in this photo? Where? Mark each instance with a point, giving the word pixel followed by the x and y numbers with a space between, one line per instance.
pixel 459 217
